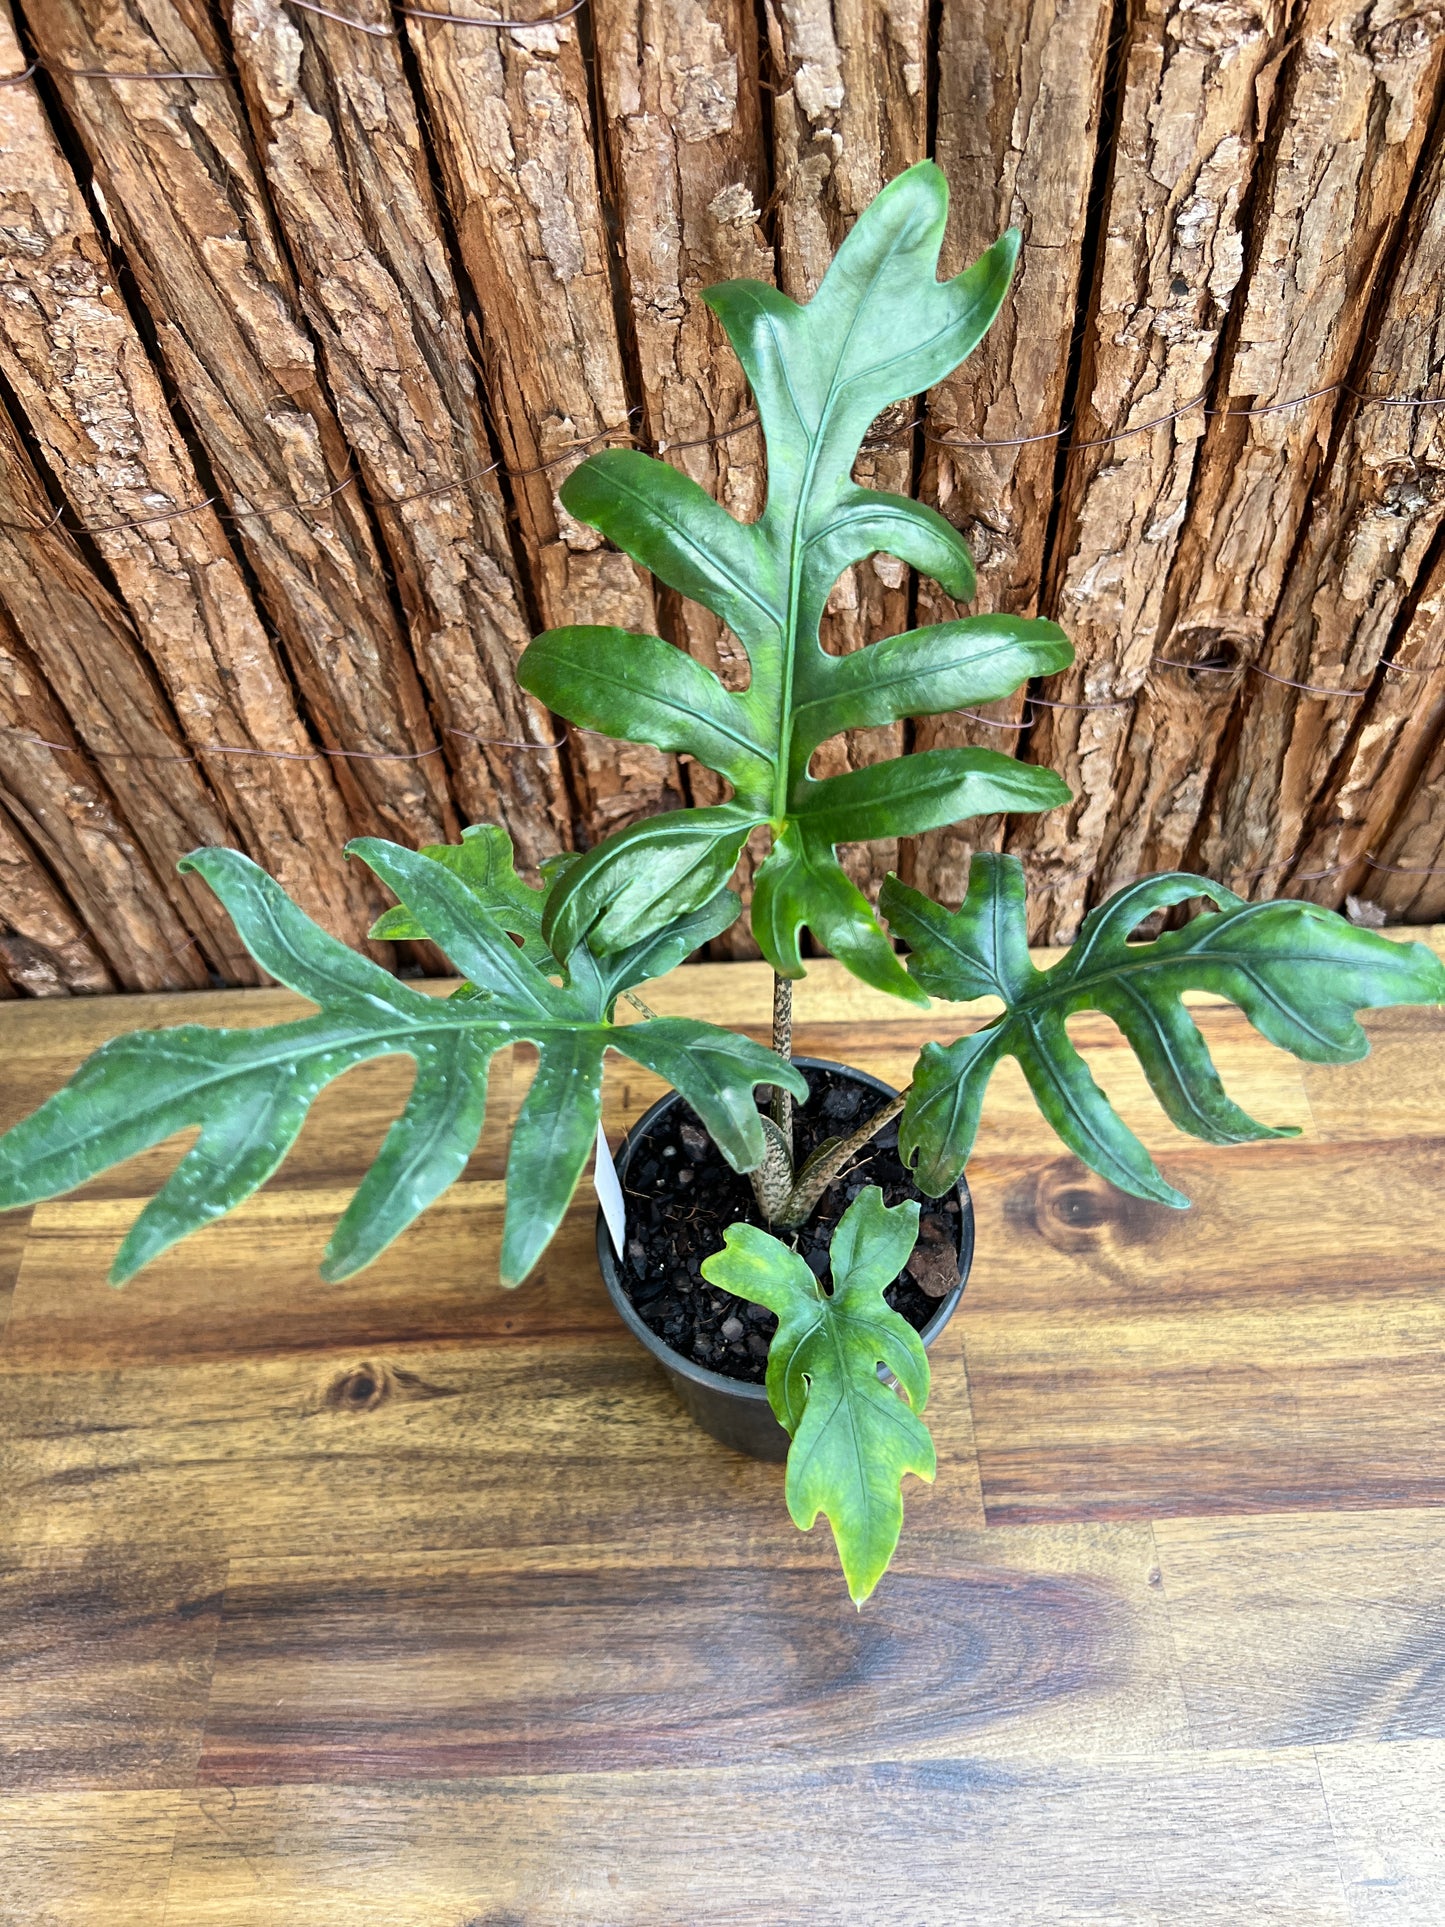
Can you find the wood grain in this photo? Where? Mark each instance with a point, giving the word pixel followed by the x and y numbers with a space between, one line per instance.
pixel 1385 1804
pixel 86 1859
pixel 105 1669
pixel 1300 1630
pixel 1000 1643
pixel 1131 1844
pixel 1142 1368
pixel 418 1597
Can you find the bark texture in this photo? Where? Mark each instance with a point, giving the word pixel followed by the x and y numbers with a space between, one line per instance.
pixel 58 799
pixel 45 950
pixel 94 403
pixel 1193 109
pixel 511 116
pixel 177 180
pixel 83 645
pixel 1020 94
pixel 1354 104
pixel 348 173
pixel 850 110
pixel 378 282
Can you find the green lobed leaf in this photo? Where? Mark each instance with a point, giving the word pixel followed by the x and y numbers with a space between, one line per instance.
pixel 853 1437
pixel 881 327
pixel 248 1091
pixel 484 862
pixel 1297 971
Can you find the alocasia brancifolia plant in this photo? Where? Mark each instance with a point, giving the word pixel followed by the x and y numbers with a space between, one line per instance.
pixel 549 964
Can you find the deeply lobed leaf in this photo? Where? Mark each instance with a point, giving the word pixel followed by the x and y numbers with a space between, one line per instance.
pixel 881 327
pixel 853 1438
pixel 248 1091
pixel 1298 972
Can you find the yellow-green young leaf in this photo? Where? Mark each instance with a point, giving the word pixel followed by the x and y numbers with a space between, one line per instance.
pixel 1297 971
pixel 853 1438
pixel 881 327
pixel 249 1090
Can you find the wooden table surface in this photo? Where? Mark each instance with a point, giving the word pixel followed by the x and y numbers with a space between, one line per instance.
pixel 417 1602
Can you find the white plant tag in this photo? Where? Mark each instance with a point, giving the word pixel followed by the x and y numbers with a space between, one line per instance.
pixel 609 1192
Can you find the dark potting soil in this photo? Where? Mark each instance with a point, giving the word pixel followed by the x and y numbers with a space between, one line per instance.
pixel 682 1194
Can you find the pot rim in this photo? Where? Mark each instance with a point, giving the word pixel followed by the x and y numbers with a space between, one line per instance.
pixel 611 1266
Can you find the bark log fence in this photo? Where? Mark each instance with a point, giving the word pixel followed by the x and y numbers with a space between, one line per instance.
pixel 306 311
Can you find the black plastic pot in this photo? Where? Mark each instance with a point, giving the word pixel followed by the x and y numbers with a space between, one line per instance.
pixel 729 1409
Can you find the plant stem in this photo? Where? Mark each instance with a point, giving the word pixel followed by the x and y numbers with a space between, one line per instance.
pixel 819 1173
pixel 637 1004
pixel 783 1044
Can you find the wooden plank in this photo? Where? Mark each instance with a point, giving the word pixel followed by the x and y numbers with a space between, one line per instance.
pixel 44 950
pixel 1014 1645
pixel 1385 1805
pixel 252 1289
pixel 1351 117
pixel 14 1229
pixel 1132 1845
pixel 850 111
pixel 105 1669
pixel 1296 1631
pixel 70 622
pixel 201 241
pixel 510 118
pixel 67 812
pixel 1395 1092
pixel 1193 102
pixel 1019 96
pixel 1278 1346
pixel 95 406
pixel 573 1440
pixel 339 137
pixel 87 1859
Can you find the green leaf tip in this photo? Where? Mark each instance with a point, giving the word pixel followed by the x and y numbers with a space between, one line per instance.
pixel 881 327
pixel 1297 971
pixel 249 1091
pixel 853 1437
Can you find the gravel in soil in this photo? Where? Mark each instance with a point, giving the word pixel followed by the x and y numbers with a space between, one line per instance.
pixel 682 1195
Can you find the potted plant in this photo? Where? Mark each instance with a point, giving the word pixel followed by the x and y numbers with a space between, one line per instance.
pixel 552 963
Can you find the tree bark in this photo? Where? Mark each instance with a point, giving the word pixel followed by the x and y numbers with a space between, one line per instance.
pixel 180 188
pixel 1373 525
pixel 1019 94
pixel 512 122
pixel 1410 887
pixel 686 168
pixel 337 130
pixel 44 950
pixel 84 646
pixel 1192 108
pixel 850 111
pixel 65 810
pixel 1382 758
pixel 94 403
